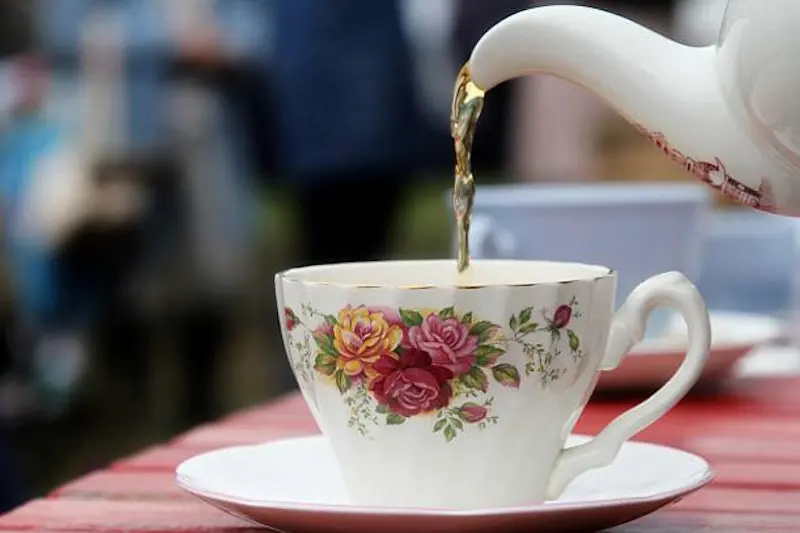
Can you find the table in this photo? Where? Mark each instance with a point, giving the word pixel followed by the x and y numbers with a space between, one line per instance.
pixel 750 433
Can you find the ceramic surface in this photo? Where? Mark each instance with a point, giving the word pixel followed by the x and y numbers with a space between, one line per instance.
pixel 727 113
pixel 295 485
pixel 413 376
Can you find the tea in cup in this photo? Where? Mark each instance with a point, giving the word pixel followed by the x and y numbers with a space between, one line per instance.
pixel 436 393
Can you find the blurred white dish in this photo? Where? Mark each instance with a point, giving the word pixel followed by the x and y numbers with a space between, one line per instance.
pixel 651 363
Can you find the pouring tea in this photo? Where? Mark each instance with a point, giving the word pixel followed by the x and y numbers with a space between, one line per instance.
pixel 728 113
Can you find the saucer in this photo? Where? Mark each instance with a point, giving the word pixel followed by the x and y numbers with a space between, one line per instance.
pixel 651 363
pixel 295 485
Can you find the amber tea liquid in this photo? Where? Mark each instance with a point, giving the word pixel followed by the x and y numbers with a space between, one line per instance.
pixel 464 113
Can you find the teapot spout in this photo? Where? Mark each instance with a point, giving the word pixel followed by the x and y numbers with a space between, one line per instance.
pixel 669 91
pixel 611 55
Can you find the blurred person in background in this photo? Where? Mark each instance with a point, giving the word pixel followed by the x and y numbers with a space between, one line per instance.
pixel 158 141
pixel 346 122
pixel 21 91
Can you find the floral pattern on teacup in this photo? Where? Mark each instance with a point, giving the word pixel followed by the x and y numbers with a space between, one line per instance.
pixel 394 365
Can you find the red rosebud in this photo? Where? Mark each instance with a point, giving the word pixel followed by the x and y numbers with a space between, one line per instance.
pixel 472 412
pixel 291 318
pixel 561 317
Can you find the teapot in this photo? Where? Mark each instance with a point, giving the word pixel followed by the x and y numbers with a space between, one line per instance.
pixel 728 113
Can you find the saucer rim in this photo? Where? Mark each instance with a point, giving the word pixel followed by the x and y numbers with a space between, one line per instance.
pixel 184 483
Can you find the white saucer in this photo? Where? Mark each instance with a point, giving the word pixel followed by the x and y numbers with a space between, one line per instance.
pixel 654 361
pixel 294 485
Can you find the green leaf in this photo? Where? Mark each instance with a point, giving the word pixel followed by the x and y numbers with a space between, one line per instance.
pixel 457 423
pixel 342 381
pixel 325 364
pixel 467 319
pixel 574 341
pixel 325 344
pixel 506 375
pixel 410 317
pixel 382 409
pixel 475 379
pixel 447 312
pixel 330 319
pixel 393 419
pixel 484 327
pixel 449 433
pixel 439 425
pixel 468 381
pixel 487 355
pixel 525 315
pixel 529 328
pixel 488 351
pixel 512 323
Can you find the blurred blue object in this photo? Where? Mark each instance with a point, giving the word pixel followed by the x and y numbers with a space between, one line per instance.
pixel 344 87
pixel 149 50
pixel 47 295
pixel 638 229
pixel 751 263
pixel 189 118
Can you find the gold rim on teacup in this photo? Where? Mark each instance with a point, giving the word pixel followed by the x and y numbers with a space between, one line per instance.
pixel 298 274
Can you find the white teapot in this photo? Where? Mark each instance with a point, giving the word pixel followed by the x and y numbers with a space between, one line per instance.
pixel 728 113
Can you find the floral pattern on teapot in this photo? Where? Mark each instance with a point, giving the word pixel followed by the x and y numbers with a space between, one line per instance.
pixel 392 365
pixel 716 176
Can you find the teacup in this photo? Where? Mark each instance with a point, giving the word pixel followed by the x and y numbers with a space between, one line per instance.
pixel 638 229
pixel 436 392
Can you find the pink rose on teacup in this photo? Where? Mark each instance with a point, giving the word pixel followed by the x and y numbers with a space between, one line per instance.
pixel 411 384
pixel 447 341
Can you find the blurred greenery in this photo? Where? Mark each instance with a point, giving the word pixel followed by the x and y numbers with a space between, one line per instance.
pixel 421 230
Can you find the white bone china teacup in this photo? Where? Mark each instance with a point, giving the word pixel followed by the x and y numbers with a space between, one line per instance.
pixel 460 395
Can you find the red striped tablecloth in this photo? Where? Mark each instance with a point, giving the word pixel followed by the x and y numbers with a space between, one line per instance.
pixel 750 434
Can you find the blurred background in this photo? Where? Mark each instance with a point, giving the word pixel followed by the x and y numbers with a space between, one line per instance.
pixel 160 160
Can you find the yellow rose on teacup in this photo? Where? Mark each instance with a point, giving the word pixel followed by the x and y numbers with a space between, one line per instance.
pixel 362 335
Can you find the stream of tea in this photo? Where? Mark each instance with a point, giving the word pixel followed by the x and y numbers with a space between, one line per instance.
pixel 464 113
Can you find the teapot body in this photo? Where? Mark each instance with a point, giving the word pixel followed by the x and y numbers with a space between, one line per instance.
pixel 729 114
pixel 759 70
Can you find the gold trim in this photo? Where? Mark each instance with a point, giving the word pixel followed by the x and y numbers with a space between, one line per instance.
pixel 284 277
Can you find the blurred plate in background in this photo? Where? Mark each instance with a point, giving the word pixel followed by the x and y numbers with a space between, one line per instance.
pixel 655 360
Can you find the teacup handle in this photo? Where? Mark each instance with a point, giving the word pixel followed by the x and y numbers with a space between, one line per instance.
pixel 670 289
